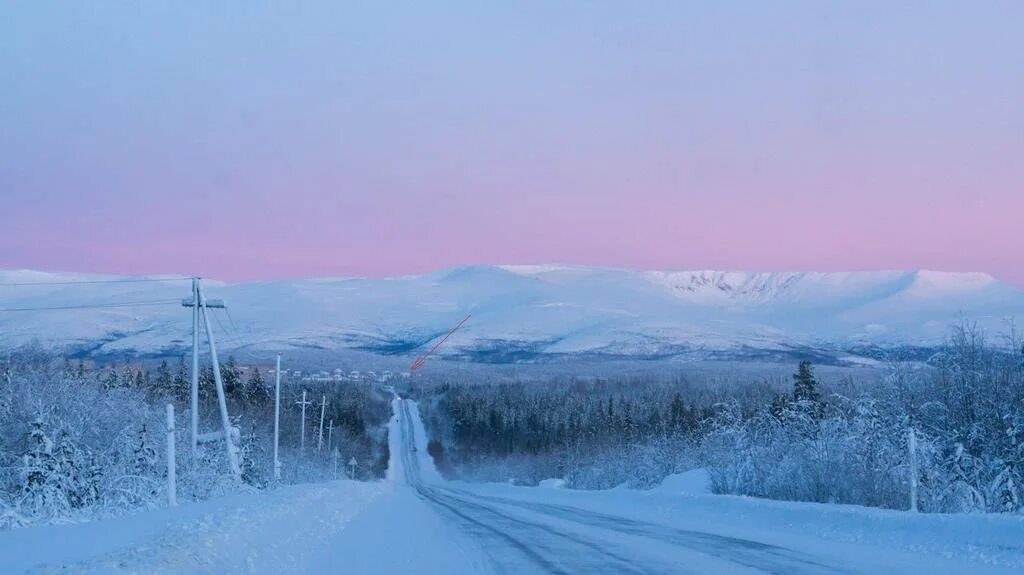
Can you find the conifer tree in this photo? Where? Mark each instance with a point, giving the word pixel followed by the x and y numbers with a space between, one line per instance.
pixel 77 483
pixel 40 475
pixel 677 413
pixel 142 380
pixel 252 455
pixel 164 382
pixel 231 376
pixel 206 382
pixel 143 454
pixel 182 381
pixel 111 380
pixel 805 386
pixel 254 390
pixel 128 377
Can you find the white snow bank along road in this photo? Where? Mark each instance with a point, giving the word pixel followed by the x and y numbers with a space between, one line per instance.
pixel 538 530
pixel 288 530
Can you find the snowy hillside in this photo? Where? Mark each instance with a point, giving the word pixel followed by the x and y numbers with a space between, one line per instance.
pixel 522 312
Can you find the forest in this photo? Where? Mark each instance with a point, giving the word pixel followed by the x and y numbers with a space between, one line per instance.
pixel 842 441
pixel 79 441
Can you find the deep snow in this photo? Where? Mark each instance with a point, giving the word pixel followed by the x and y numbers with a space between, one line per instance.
pixel 414 522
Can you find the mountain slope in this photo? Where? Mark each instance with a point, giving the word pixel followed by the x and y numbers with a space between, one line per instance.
pixel 523 312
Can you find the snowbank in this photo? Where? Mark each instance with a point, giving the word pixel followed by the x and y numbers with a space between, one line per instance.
pixel 693 482
pixel 269 532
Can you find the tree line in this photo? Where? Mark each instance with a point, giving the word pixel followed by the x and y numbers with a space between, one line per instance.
pixel 844 441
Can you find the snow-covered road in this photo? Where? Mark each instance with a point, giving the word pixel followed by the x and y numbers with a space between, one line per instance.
pixel 415 522
pixel 528 537
pixel 536 530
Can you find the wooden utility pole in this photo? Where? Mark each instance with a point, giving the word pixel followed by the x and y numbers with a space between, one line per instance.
pixel 323 409
pixel 330 433
pixel 194 387
pixel 172 478
pixel 225 421
pixel 912 446
pixel 277 417
pixel 200 310
pixel 302 432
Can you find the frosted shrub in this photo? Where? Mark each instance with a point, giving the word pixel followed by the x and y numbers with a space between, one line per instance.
pixel 77 444
pixel 966 413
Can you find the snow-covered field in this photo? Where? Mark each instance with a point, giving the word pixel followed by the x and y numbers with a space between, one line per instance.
pixel 414 522
pixel 523 312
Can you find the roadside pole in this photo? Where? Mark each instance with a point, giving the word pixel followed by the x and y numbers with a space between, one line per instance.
pixel 330 434
pixel 323 409
pixel 302 428
pixel 912 446
pixel 172 479
pixel 277 417
pixel 193 389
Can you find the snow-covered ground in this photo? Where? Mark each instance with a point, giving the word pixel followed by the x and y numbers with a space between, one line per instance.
pixel 414 522
pixel 288 530
pixel 520 312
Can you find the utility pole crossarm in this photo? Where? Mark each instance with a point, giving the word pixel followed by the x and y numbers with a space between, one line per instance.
pixel 211 303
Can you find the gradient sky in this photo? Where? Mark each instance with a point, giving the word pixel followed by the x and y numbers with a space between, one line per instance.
pixel 245 140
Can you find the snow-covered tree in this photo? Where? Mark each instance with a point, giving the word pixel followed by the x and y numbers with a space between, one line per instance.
pixel 144 456
pixel 164 382
pixel 41 475
pixel 231 376
pixel 181 382
pixel 255 390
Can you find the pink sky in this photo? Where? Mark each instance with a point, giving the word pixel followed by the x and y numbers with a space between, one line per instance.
pixel 350 141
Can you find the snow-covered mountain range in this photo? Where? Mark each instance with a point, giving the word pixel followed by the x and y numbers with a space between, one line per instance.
pixel 523 313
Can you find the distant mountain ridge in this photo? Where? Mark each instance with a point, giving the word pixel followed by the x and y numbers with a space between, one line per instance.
pixel 527 312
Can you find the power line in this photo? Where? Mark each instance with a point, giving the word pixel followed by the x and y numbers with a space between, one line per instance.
pixel 233 334
pixel 236 336
pixel 231 319
pixel 223 329
pixel 93 306
pixel 84 282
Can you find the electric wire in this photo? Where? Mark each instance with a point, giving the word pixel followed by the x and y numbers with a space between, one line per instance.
pixel 232 335
pixel 236 334
pixel 92 306
pixel 93 281
pixel 231 319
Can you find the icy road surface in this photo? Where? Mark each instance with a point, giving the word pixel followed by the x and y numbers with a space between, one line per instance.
pixel 415 522
pixel 536 530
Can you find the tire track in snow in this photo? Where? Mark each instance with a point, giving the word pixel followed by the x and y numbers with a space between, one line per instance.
pixel 534 540
pixel 761 556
